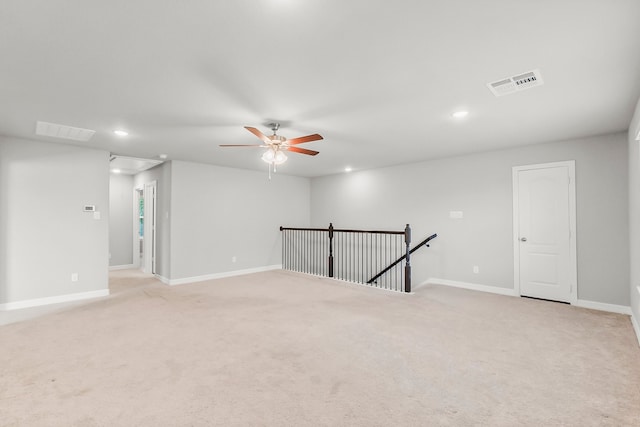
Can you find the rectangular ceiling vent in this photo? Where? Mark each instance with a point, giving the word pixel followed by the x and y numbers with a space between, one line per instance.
pixel 516 83
pixel 63 132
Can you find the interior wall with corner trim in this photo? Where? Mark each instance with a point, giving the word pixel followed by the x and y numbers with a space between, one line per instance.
pixel 480 186
pixel 120 220
pixel 634 215
pixel 45 234
pixel 226 219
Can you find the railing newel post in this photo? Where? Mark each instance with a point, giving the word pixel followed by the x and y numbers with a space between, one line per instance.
pixel 407 267
pixel 330 249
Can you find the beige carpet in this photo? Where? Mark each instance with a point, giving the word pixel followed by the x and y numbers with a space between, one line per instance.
pixel 284 349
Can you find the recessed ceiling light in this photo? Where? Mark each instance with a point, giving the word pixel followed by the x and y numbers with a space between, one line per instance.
pixel 116 170
pixel 120 132
pixel 460 114
pixel 348 169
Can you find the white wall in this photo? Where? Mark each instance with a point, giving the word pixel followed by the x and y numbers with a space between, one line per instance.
pixel 219 213
pixel 44 234
pixel 120 219
pixel 480 185
pixel 634 213
pixel 162 175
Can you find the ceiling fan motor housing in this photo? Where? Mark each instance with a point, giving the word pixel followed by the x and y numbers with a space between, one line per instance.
pixel 277 139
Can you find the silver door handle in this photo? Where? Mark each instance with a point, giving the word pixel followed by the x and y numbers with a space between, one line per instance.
pixel 523 239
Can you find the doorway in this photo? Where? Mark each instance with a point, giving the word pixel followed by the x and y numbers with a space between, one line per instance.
pixel 138 227
pixel 144 228
pixel 149 251
pixel 544 231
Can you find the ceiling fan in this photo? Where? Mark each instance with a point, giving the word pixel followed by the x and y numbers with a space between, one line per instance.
pixel 278 144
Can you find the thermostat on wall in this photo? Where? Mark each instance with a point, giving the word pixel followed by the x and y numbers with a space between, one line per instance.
pixel 89 208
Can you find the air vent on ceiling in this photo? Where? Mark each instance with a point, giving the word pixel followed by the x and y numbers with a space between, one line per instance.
pixel 516 83
pixel 64 132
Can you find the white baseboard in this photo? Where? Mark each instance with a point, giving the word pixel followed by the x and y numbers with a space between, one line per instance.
pixel 53 300
pixel 162 279
pixel 122 267
pixel 186 280
pixel 636 327
pixel 472 286
pixel 612 308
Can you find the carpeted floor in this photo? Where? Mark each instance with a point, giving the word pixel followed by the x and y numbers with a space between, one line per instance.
pixel 284 349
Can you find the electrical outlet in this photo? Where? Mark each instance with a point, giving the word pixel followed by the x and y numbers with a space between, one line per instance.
pixel 233 259
pixel 74 277
pixel 476 269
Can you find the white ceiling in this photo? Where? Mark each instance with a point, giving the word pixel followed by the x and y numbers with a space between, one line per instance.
pixel 378 79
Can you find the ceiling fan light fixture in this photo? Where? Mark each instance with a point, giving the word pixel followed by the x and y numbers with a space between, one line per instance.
pixel 275 157
pixel 280 158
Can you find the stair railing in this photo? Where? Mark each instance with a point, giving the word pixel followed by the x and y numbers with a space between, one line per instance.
pixel 370 257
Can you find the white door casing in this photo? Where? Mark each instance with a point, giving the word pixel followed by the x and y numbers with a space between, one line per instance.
pixel 137 195
pixel 544 231
pixel 149 252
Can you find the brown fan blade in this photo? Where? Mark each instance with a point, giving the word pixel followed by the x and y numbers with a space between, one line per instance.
pixel 303 139
pixel 302 151
pixel 242 145
pixel 259 134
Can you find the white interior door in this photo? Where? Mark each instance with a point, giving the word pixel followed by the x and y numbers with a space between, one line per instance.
pixel 149 252
pixel 544 231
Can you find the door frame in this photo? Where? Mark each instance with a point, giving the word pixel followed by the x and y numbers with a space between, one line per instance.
pixel 149 254
pixel 138 194
pixel 573 265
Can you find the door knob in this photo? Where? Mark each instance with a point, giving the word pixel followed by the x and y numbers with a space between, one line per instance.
pixel 523 239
